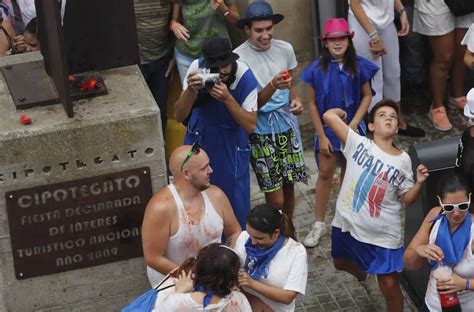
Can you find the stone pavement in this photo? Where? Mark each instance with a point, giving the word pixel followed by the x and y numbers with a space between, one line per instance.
pixel 328 289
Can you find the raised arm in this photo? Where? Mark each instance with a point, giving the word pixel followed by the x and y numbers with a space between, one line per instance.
pixel 232 16
pixel 419 251
pixel 336 120
pixel 247 120
pixel 280 81
pixel 156 233
pixel 410 196
pixel 183 106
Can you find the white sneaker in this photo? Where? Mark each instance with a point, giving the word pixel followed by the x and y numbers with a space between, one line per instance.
pixel 314 236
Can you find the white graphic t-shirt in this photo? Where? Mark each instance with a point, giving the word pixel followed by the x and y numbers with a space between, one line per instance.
pixel 368 204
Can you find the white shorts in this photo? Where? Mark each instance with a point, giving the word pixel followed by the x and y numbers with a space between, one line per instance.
pixel 439 24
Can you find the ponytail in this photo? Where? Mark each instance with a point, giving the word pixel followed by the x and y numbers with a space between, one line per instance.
pixel 287 227
pixel 267 219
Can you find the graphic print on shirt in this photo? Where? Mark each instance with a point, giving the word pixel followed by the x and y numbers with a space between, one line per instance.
pixel 373 182
pixel 376 193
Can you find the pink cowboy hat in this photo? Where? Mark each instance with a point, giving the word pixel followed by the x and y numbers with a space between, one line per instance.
pixel 335 28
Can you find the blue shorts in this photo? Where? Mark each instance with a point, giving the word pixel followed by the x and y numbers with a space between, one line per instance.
pixel 369 258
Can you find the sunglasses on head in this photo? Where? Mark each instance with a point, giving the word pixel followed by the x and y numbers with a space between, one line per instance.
pixel 195 149
pixel 450 207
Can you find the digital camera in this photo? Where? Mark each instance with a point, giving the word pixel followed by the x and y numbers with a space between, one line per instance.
pixel 208 79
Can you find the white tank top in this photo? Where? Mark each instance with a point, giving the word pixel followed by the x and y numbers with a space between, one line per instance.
pixel 464 269
pixel 190 238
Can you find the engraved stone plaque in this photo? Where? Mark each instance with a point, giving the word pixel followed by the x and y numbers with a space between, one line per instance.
pixel 77 224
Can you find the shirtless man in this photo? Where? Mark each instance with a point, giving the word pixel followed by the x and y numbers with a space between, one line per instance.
pixel 186 215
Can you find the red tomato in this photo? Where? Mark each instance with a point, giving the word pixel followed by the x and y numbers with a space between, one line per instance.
pixel 25 120
pixel 91 84
pixel 286 75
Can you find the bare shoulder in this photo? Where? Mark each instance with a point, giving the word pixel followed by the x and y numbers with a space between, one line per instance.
pixel 219 200
pixel 432 213
pixel 161 204
pixel 216 194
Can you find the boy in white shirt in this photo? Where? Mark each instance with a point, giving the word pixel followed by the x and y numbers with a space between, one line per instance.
pixel 366 234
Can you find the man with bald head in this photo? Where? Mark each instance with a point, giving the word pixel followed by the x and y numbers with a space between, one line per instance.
pixel 186 215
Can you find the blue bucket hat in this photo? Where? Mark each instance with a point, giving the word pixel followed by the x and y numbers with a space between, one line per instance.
pixel 259 11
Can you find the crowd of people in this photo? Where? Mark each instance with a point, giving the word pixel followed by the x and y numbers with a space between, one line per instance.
pixel 18 25
pixel 239 106
pixel 203 244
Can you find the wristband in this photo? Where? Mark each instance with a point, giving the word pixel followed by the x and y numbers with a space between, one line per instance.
pixel 402 10
pixel 172 22
pixel 375 32
pixel 375 41
pixel 271 84
pixel 226 13
pixel 468 286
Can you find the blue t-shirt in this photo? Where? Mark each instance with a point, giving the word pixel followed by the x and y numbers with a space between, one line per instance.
pixel 337 89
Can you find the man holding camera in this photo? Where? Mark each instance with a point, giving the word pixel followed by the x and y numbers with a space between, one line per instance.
pixel 277 154
pixel 221 111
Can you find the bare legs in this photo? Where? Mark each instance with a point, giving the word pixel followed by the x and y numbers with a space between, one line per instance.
pixel 389 284
pixel 443 52
pixel 350 267
pixel 283 199
pixel 459 69
pixel 324 184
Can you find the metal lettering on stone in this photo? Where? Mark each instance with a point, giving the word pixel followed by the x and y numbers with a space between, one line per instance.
pixel 77 224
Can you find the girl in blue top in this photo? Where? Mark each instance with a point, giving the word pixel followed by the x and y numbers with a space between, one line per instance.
pixel 339 79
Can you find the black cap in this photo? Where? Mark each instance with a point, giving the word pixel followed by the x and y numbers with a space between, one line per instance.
pixel 217 53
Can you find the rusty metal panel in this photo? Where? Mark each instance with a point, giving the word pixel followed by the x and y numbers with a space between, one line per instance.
pixel 77 224
pixel 30 86
pixel 100 34
pixel 52 48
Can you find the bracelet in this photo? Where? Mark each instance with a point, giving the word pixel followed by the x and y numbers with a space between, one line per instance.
pixel 375 41
pixel 402 10
pixel 375 32
pixel 271 84
pixel 468 286
pixel 226 13
pixel 172 22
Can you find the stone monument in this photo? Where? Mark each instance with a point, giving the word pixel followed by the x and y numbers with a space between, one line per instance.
pixel 73 193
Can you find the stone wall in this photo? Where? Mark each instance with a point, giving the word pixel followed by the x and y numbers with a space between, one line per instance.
pixel 109 134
